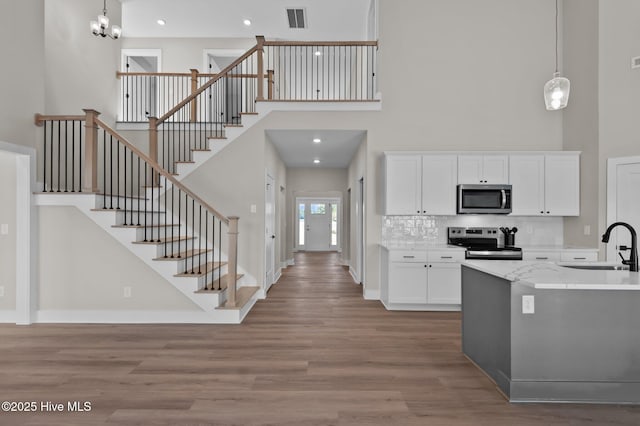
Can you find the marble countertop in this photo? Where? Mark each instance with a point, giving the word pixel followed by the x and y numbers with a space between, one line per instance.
pixel 551 275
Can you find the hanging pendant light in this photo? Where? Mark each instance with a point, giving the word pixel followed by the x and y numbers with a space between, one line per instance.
pixel 99 27
pixel 556 90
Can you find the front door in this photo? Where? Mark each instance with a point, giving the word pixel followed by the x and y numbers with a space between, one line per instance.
pixel 318 221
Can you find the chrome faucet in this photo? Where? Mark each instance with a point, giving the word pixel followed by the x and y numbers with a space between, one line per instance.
pixel 633 258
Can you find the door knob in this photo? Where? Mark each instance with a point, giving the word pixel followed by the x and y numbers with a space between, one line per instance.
pixel 273 236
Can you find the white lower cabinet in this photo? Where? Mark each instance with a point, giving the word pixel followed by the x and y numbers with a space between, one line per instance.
pixel 560 255
pixel 421 280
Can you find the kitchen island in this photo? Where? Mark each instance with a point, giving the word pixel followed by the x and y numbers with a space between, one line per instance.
pixel 578 342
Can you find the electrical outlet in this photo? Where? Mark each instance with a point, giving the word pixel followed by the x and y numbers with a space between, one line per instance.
pixel 528 304
pixel 1 291
pixel 4 229
pixel 127 292
pixel 587 230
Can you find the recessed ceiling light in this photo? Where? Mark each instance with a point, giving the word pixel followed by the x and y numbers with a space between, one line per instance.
pixel 161 22
pixel 247 22
pixel 316 161
pixel 318 53
pixel 317 140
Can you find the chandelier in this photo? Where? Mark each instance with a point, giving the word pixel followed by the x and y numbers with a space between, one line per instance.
pixel 99 27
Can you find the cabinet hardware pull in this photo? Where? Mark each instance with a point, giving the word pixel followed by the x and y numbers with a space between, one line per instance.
pixel 408 257
pixel 542 258
pixel 579 258
pixel 446 257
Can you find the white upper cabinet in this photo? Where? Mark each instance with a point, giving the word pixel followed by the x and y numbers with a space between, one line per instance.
pixel 545 185
pixel 403 184
pixel 420 184
pixel 483 168
pixel 439 180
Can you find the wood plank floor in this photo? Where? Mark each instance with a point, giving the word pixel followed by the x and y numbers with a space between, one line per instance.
pixel 313 353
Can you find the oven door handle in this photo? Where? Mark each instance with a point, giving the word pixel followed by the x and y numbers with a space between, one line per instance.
pixel 504 199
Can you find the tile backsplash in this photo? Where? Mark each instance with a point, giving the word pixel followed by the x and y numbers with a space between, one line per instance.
pixel 418 230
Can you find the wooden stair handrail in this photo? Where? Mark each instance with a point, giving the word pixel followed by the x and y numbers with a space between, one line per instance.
pixel 161 171
pixel 320 43
pixel 39 119
pixel 208 84
pixel 160 74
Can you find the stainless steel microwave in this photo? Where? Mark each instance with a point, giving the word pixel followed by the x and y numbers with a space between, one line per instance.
pixel 484 199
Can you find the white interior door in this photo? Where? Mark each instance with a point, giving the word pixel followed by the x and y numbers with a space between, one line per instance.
pixel 270 232
pixel 140 94
pixel 318 226
pixel 360 231
pixel 623 203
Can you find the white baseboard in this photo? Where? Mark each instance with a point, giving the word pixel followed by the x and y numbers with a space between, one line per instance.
pixel 371 294
pixel 221 316
pixel 291 262
pixel 277 276
pixel 8 317
pixel 353 274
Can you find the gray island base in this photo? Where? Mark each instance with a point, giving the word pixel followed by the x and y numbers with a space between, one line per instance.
pixel 578 346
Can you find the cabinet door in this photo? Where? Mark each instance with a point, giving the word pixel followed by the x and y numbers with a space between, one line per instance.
pixel 470 169
pixel 439 180
pixel 402 184
pixel 407 282
pixel 495 169
pixel 562 185
pixel 527 178
pixel 443 284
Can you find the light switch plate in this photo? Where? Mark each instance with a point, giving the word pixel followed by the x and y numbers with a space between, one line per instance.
pixel 4 229
pixel 254 208
pixel 528 304
pixel 127 292
pixel 587 230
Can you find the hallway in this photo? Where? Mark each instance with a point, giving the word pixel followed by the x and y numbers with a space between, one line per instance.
pixel 313 354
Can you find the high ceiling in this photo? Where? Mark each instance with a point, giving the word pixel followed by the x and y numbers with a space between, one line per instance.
pixel 297 149
pixel 327 19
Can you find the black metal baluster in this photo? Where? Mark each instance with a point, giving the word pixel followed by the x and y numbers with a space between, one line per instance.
pixel 165 215
pixel 118 172
pixel 219 254
pixel 138 203
pixel 213 248
pixel 125 184
pixel 193 234
pixel 173 192
pixel 44 164
pixel 145 203
pixel 104 171
pixel 73 156
pixel 200 242
pixel 59 137
pixel 80 160
pixel 206 248
pixel 66 156
pixel 110 171
pixel 153 184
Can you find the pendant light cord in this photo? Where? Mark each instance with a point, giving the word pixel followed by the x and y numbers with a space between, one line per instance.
pixel 556 36
pixel 104 10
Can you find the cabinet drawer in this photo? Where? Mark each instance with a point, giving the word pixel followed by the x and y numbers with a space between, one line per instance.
pixel 541 256
pixel 408 256
pixel 445 256
pixel 579 256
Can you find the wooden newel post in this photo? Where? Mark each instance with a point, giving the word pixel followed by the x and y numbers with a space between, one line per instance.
pixel 153 145
pixel 194 102
pixel 90 172
pixel 270 84
pixel 232 265
pixel 260 51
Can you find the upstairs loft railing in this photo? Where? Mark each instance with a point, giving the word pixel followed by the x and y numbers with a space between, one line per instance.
pixel 270 71
pixel 81 154
pixel 291 71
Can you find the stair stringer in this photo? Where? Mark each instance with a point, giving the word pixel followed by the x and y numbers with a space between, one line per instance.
pixel 188 286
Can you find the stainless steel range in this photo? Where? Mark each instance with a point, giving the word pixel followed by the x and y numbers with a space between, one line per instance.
pixel 483 243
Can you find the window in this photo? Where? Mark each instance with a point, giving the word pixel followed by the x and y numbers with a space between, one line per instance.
pixel 301 224
pixel 334 224
pixel 318 209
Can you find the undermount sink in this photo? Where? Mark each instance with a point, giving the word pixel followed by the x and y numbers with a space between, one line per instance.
pixel 599 267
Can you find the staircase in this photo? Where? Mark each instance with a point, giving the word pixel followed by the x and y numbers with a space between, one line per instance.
pixel 138 198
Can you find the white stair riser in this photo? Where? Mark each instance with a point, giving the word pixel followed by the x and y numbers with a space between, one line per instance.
pixel 140 218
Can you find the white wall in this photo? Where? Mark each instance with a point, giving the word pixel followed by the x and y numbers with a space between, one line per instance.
pixel 8 242
pixel 183 54
pixel 80 68
pixel 618 88
pixel 581 117
pixel 83 268
pixel 357 170
pixel 22 82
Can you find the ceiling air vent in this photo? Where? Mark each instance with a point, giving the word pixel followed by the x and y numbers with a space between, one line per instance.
pixel 635 62
pixel 297 18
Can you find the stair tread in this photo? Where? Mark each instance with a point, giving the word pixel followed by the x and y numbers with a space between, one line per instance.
pixel 248 113
pixel 204 269
pixel 162 225
pixel 214 285
pixel 182 255
pixel 233 125
pixel 242 297
pixel 127 211
pixel 163 240
pixel 200 150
